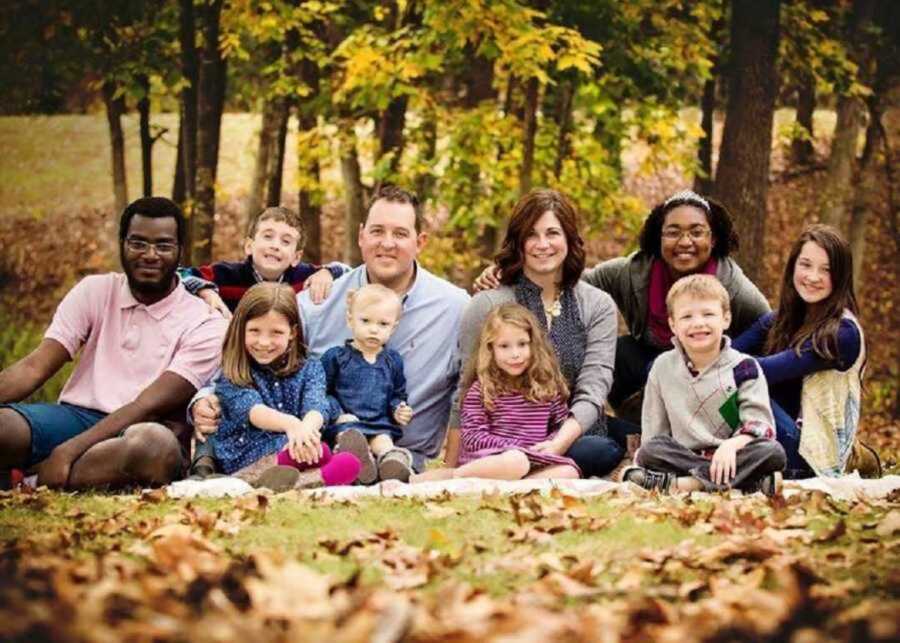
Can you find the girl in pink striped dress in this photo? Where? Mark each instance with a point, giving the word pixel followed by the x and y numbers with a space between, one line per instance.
pixel 514 404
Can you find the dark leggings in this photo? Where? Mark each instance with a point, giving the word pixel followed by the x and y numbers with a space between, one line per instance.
pixel 633 360
pixel 595 455
pixel 788 435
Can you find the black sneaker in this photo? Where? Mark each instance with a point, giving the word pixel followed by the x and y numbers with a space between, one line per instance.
pixel 649 480
pixel 770 485
pixel 203 467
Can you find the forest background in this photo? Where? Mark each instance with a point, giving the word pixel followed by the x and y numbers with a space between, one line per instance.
pixel 788 112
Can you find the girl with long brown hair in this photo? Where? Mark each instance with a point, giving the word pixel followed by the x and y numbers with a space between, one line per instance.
pixel 273 399
pixel 812 351
pixel 515 402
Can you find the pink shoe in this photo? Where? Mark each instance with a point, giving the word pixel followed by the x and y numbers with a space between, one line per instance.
pixel 342 469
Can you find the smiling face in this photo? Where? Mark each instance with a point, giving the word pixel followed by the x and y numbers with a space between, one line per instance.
pixel 511 348
pixel 545 247
pixel 268 337
pixel 698 323
pixel 812 273
pixel 687 241
pixel 150 254
pixel 273 248
pixel 371 324
pixel 389 244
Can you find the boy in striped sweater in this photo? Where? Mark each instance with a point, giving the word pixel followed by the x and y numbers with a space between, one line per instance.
pixel 706 421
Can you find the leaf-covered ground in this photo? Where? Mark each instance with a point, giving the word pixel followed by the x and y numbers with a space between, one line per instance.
pixel 528 567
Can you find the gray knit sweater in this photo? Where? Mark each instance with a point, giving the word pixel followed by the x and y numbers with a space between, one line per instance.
pixel 627 279
pixel 728 397
pixel 598 313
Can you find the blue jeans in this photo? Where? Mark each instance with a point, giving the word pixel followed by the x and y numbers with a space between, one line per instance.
pixel 595 455
pixel 788 435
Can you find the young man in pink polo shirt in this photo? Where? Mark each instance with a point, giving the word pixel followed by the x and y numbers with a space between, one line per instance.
pixel 146 346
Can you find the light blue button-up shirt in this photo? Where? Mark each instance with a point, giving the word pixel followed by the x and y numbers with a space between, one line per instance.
pixel 426 338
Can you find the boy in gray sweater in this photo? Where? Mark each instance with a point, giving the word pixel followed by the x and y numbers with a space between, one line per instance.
pixel 706 423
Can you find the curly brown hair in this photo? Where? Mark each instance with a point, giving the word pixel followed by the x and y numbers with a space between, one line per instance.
pixel 542 381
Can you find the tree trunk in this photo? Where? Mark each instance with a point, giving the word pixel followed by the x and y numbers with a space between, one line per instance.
pixel 743 172
pixel 850 114
pixel 838 186
pixel 257 195
pixel 143 107
pixel 189 69
pixel 424 182
pixel 529 129
pixel 208 122
pixel 178 187
pixel 564 124
pixel 353 191
pixel 866 188
pixel 390 131
pixel 802 149
pixel 703 182
pixel 308 164
pixel 115 107
pixel 276 158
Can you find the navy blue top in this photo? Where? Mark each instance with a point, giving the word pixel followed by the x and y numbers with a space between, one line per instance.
pixel 786 369
pixel 237 442
pixel 371 392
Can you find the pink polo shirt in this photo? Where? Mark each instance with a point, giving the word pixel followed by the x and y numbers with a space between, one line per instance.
pixel 126 345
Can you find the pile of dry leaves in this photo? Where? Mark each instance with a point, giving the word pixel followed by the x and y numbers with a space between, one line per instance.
pixel 786 570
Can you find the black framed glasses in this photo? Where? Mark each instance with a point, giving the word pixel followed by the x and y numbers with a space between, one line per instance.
pixel 139 246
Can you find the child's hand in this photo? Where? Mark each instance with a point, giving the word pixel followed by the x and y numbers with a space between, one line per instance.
pixel 403 414
pixel 319 285
pixel 212 299
pixel 304 443
pixel 723 467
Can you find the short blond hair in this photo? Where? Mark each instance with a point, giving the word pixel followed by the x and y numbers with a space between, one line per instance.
pixel 698 287
pixel 371 294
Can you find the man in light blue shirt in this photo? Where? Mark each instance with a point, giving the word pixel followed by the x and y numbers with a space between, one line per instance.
pixel 390 239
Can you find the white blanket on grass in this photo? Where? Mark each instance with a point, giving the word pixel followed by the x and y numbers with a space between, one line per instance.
pixel 844 488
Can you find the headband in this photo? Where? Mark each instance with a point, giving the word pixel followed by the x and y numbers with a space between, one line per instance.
pixel 688 196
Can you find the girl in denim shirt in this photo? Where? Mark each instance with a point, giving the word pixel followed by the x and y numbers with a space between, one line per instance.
pixel 273 399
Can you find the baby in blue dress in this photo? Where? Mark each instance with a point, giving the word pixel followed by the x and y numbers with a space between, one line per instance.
pixel 367 387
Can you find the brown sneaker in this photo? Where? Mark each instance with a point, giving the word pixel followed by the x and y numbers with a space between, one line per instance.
pixel 353 441
pixel 278 478
pixel 770 485
pixel 395 464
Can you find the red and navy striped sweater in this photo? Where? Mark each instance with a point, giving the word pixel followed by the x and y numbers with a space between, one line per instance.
pixel 234 278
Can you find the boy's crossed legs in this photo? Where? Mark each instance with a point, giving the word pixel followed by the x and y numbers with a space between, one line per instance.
pixel 755 462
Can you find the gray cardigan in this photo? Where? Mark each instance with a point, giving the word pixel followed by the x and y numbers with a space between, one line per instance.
pixel 598 313
pixel 627 279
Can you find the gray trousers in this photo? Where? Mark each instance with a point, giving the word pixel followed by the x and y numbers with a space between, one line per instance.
pixel 755 461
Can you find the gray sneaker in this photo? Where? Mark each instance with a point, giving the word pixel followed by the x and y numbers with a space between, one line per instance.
pixel 353 441
pixel 649 480
pixel 395 464
pixel 770 485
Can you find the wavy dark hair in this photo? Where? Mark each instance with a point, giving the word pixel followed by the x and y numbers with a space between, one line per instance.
pixel 724 235
pixel 797 322
pixel 511 258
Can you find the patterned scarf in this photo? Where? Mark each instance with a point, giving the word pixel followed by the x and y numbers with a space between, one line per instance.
pixel 568 334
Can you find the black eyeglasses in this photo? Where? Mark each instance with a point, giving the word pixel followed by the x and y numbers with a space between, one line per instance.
pixel 140 246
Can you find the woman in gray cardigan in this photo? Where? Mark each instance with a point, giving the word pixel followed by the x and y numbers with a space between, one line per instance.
pixel 684 235
pixel 541 262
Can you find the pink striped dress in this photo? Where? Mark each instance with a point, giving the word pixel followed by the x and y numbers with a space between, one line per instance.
pixel 514 423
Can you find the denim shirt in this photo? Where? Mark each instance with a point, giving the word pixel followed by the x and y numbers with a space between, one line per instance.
pixel 371 392
pixel 427 338
pixel 237 442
